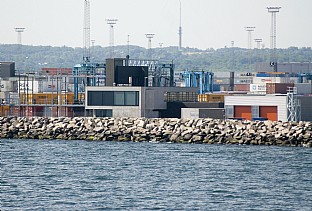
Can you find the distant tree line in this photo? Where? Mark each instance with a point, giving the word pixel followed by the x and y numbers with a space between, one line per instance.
pixel 33 58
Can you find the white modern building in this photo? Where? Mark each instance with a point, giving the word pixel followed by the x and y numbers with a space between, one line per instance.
pixel 129 101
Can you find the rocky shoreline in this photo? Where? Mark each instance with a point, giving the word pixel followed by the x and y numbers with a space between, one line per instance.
pixel 210 131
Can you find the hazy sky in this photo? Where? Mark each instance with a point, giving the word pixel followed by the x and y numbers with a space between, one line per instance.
pixel 205 23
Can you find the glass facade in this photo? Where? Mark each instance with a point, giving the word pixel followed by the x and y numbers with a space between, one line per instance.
pixel 113 98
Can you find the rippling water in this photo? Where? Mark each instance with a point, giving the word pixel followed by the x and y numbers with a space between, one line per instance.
pixel 81 175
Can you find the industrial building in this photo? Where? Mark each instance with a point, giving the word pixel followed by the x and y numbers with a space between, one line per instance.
pixel 124 87
pixel 274 107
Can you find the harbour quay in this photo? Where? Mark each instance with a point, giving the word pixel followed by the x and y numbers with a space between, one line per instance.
pixel 158 130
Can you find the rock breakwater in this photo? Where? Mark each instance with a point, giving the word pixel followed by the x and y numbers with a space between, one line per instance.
pixel 210 131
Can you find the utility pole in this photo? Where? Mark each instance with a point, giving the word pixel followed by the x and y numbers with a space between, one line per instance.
pixel 19 31
pixel 273 11
pixel 111 23
pixel 149 46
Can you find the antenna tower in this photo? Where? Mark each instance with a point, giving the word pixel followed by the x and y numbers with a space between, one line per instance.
pixel 149 46
pixel 180 29
pixel 111 22
pixel 19 35
pixel 86 32
pixel 249 29
pixel 273 11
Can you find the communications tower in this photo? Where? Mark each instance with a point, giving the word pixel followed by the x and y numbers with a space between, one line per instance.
pixel 111 23
pixel 19 34
pixel 273 11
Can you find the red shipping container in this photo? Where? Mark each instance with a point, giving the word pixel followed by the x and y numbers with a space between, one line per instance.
pixel 242 87
pixel 278 88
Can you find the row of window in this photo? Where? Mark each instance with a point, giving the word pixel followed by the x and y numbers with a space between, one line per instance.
pixel 113 98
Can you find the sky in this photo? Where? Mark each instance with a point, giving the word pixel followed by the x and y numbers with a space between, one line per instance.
pixel 205 23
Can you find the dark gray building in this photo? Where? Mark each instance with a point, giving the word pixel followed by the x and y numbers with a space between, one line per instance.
pixel 7 69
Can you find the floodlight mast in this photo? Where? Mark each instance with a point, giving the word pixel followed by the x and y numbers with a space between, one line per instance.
pixel 258 41
pixel 86 32
pixel 180 29
pixel 111 23
pixel 273 11
pixel 19 31
pixel 149 46
pixel 250 29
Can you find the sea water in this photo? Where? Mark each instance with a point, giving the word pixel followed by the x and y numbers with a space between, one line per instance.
pixel 82 175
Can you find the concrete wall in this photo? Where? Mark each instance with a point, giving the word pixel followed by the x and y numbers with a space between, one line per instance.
pixel 215 113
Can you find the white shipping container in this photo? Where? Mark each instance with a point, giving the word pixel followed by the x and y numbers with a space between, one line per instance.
pixel 30 86
pixel 7 86
pixel 258 88
pixel 54 85
pixel 264 80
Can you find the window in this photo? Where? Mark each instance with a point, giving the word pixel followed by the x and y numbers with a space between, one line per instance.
pixel 119 98
pixel 131 98
pixel 111 98
pixel 229 111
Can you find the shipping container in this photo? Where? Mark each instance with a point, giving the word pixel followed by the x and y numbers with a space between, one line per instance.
pixel 242 87
pixel 7 86
pixel 211 98
pixel 272 79
pixel 216 87
pixel 4 110
pixel 27 85
pixel 221 81
pixel 48 98
pixel 258 88
pixel 278 88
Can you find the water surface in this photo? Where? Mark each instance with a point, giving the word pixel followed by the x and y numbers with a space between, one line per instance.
pixel 82 175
